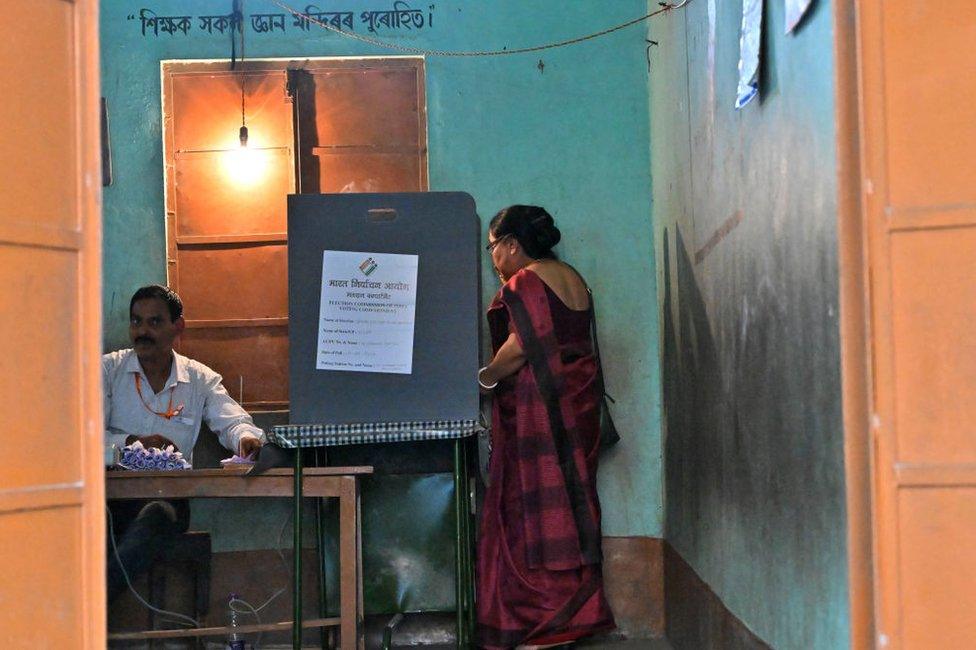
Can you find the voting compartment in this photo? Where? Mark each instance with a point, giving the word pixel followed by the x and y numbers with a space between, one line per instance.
pixel 383 307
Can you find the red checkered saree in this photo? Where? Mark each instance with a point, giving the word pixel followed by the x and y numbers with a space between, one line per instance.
pixel 539 557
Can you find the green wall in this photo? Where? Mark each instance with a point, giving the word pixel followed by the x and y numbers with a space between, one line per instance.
pixel 570 135
pixel 750 345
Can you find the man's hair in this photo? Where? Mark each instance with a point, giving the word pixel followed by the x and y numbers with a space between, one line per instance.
pixel 165 294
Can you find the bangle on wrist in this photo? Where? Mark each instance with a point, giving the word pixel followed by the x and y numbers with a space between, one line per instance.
pixel 482 384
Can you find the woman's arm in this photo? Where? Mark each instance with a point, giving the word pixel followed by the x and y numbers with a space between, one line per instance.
pixel 507 361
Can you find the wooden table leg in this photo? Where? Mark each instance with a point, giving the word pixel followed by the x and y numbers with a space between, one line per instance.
pixel 348 565
pixel 359 570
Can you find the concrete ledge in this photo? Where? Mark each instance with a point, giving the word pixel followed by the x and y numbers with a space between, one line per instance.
pixel 633 575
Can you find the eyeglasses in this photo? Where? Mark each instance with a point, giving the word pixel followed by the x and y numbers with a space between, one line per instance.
pixel 491 245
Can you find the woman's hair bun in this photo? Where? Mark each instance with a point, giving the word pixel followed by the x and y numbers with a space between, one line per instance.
pixel 545 231
pixel 531 225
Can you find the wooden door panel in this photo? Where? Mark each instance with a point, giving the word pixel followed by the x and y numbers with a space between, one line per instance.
pixel 47 611
pixel 917 88
pixel 39 125
pixel 367 107
pixel 207 110
pixel 370 172
pixel 930 92
pixel 52 536
pixel 938 567
pixel 934 327
pixel 248 356
pixel 227 213
pixel 232 193
pixel 236 282
pixel 40 366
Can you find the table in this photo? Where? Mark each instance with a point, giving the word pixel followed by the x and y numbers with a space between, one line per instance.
pixel 460 431
pixel 328 482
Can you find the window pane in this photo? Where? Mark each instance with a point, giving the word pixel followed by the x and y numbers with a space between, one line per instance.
pixel 234 281
pixel 366 172
pixel 367 107
pixel 235 192
pixel 248 356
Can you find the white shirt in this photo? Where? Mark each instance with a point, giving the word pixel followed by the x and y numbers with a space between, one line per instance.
pixel 196 391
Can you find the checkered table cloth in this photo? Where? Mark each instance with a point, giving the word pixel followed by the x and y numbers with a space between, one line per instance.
pixel 334 435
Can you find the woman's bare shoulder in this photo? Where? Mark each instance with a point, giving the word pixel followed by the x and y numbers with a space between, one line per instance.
pixel 565 282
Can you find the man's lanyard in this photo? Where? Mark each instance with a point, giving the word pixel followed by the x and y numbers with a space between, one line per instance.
pixel 170 411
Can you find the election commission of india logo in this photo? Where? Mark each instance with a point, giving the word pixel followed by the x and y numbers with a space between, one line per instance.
pixel 368 265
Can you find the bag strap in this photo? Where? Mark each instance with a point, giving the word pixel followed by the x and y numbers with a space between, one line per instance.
pixel 601 384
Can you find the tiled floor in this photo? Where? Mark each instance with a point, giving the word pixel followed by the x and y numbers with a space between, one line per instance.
pixel 591 644
pixel 608 644
pixel 594 644
pixel 630 644
pixel 600 644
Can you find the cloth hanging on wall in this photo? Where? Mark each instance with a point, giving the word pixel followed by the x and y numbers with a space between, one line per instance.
pixel 749 44
pixel 795 10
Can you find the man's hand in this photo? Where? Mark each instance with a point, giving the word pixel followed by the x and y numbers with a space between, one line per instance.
pixel 152 440
pixel 248 446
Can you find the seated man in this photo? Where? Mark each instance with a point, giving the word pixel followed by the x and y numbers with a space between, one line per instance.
pixel 159 398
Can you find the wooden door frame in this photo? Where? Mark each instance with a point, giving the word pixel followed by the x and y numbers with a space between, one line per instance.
pixel 855 338
pixel 170 69
pixel 89 188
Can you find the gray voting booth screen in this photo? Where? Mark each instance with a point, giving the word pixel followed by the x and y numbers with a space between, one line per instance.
pixel 442 230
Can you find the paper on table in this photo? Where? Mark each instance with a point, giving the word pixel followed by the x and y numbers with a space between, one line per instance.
pixel 236 460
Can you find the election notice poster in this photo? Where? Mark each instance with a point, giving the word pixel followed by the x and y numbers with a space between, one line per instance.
pixel 367 312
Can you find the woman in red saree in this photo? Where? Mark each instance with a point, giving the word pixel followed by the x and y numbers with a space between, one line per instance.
pixel 539 559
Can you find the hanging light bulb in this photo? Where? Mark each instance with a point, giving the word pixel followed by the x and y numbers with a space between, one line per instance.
pixel 242 134
pixel 245 167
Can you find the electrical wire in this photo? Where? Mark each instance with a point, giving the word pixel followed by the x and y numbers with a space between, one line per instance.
pixel 254 610
pixel 666 7
pixel 250 610
pixel 243 71
pixel 175 617
pixel 125 574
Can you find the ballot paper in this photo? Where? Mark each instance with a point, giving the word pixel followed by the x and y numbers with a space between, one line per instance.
pixel 237 461
pixel 367 312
